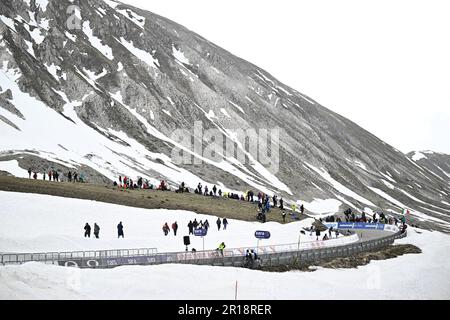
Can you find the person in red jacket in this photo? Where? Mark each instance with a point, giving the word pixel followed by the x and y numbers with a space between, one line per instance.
pixel 166 229
pixel 175 228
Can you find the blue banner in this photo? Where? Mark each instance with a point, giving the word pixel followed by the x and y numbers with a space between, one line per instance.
pixel 200 232
pixel 262 234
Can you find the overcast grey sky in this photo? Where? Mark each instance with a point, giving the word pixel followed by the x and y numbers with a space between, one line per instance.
pixel 383 64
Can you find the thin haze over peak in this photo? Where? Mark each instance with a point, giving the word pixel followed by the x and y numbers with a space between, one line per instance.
pixel 381 64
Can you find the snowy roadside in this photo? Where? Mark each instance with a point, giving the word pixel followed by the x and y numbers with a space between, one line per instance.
pixel 36 220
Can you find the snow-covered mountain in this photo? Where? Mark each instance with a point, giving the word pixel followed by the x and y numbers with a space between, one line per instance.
pixel 435 162
pixel 101 86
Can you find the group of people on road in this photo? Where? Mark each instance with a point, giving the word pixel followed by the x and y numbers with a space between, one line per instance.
pixel 377 217
pixel 251 259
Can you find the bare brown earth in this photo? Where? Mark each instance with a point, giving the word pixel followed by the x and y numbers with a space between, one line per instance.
pixel 354 261
pixel 148 199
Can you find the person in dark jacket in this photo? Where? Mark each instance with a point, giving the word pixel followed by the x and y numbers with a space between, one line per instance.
pixel 96 230
pixel 206 224
pixel 219 223
pixel 191 227
pixel 195 224
pixel 317 234
pixel 281 204
pixel 302 209
pixel 29 173
pixel 225 223
pixel 120 230
pixel 175 228
pixel 87 230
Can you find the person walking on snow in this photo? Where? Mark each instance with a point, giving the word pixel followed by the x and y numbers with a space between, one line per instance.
pixel 96 230
pixel 87 230
pixel 175 228
pixel 166 229
pixel 120 230
pixel 219 222
pixel 225 223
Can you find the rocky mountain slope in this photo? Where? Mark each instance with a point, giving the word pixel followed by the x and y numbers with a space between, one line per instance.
pixel 103 87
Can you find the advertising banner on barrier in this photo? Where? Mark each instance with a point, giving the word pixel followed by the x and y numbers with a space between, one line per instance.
pixel 358 225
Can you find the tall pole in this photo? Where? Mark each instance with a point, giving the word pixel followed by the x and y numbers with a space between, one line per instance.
pixel 203 243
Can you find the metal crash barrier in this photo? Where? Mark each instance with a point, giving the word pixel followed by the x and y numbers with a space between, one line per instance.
pixel 271 255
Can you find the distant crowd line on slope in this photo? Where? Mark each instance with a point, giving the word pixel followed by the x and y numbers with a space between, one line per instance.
pixel 54 175
pixel 264 201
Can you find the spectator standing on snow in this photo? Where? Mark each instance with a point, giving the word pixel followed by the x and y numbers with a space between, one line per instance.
pixel 302 209
pixel 120 230
pixel 219 223
pixel 69 176
pixel 225 223
pixel 96 230
pixel 175 228
pixel 206 224
pixel 35 176
pixel 87 230
pixel 195 224
pixel 191 227
pixel 29 173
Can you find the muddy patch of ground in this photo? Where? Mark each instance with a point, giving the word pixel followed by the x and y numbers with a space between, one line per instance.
pixel 148 199
pixel 360 259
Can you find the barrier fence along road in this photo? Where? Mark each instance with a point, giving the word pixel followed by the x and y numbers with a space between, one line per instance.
pixel 270 255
